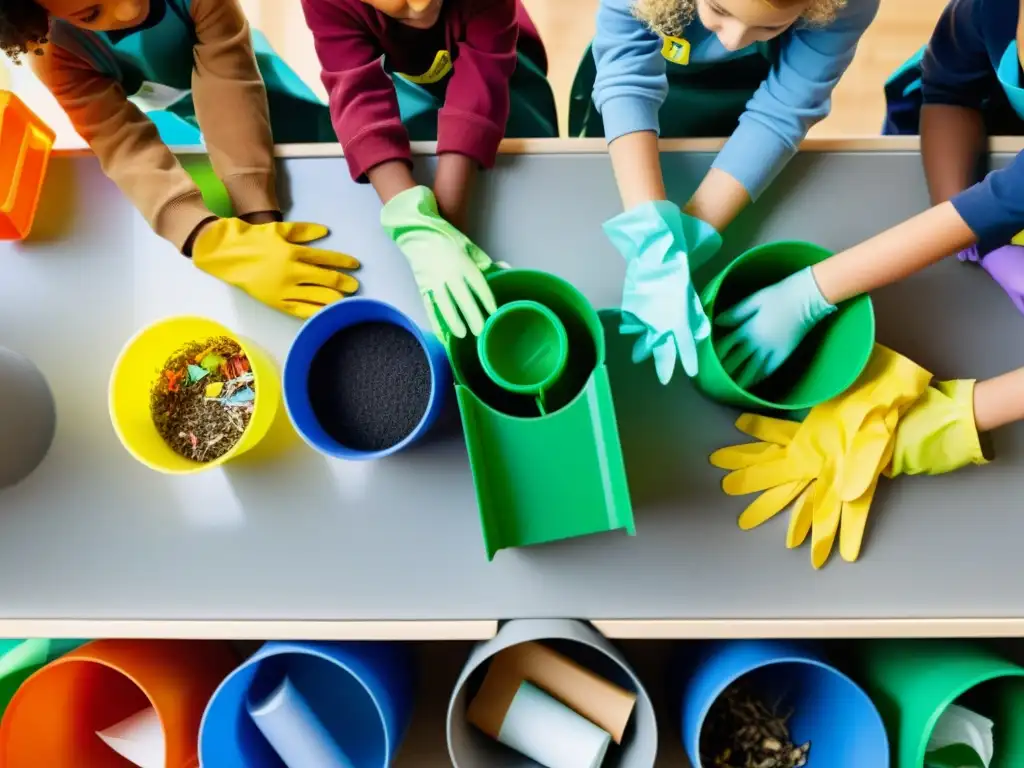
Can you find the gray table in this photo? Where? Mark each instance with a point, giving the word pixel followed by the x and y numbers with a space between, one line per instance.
pixel 93 535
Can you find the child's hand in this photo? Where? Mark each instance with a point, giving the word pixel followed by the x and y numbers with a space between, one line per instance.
pixel 771 324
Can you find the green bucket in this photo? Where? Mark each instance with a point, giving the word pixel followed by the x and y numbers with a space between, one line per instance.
pixel 912 682
pixel 537 412
pixel 20 659
pixel 825 364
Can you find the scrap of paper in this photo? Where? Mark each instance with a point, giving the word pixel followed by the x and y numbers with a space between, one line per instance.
pixel 139 739
pixel 961 739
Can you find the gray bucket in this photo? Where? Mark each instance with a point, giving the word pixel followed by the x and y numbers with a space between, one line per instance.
pixel 469 748
pixel 28 417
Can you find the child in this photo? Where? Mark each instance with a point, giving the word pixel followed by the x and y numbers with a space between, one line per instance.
pixel 93 54
pixel 459 70
pixel 970 87
pixel 763 70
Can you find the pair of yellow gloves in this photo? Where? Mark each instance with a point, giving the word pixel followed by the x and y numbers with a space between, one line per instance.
pixel 889 422
pixel 275 264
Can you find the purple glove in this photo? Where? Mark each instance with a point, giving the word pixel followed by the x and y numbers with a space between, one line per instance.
pixel 1006 266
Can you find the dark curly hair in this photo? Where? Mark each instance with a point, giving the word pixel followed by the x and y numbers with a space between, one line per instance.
pixel 23 27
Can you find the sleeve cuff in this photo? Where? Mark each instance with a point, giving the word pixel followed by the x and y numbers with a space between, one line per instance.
pixel 629 114
pixel 469 135
pixel 178 218
pixel 374 145
pixel 976 207
pixel 252 193
pixel 754 155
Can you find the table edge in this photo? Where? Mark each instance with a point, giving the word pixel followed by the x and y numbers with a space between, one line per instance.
pixel 599 146
pixel 484 629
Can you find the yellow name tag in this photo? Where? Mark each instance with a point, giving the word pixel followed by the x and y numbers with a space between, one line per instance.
pixel 438 70
pixel 676 50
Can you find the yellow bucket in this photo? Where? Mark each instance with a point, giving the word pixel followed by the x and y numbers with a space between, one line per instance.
pixel 136 371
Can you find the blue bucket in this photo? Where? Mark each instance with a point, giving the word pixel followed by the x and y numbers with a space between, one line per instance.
pixel 829 709
pixel 361 696
pixel 316 332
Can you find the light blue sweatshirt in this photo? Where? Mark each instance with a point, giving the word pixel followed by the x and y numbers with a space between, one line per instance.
pixel 631 84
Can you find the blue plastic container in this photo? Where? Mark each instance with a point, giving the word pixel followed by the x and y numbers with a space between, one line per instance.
pixel 829 709
pixel 362 693
pixel 316 332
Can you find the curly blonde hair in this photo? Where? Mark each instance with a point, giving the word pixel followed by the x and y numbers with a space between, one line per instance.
pixel 669 18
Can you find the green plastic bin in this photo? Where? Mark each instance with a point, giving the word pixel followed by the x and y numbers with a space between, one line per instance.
pixel 825 364
pixel 912 683
pixel 19 660
pixel 547 465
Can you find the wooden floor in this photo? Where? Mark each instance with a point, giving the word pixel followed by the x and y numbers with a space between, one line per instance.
pixel 567 26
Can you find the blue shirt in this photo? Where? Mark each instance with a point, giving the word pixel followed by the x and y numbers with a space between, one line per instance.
pixel 960 68
pixel 631 84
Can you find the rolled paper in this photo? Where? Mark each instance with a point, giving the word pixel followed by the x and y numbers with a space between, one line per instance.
pixel 963 729
pixel 602 702
pixel 139 739
pixel 286 720
pixel 547 731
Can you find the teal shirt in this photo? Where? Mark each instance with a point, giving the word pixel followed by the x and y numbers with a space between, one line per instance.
pixel 160 50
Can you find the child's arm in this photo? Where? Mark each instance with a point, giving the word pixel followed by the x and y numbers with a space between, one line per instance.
pixel 999 401
pixel 127 144
pixel 364 107
pixel 796 94
pixel 956 79
pixel 231 107
pixel 471 124
pixel 629 89
pixel 894 254
pixel 952 140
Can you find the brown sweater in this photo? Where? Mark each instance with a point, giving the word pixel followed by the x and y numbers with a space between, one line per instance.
pixel 231 107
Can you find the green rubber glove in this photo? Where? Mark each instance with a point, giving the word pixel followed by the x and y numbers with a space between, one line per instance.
pixel 449 269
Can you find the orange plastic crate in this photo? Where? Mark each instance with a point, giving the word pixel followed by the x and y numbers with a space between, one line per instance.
pixel 25 146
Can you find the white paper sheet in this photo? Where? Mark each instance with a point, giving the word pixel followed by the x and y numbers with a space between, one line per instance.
pixel 958 725
pixel 138 739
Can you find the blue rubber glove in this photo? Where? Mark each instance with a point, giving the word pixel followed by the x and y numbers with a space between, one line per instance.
pixel 660 244
pixel 772 322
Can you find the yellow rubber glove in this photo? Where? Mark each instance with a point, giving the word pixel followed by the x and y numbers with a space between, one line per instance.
pixel 273 263
pixel 830 462
pixel 938 434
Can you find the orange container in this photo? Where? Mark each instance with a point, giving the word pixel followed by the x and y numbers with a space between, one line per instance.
pixel 25 146
pixel 54 717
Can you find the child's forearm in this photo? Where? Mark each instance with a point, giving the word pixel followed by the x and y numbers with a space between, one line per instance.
pixel 894 254
pixel 637 166
pixel 952 139
pixel 999 401
pixel 391 178
pixel 452 186
pixel 718 200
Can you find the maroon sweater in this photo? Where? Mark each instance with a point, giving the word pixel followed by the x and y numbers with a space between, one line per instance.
pixel 481 36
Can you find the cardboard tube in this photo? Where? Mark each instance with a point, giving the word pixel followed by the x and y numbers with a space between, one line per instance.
pixel 607 705
pixel 545 730
pixel 469 747
pixel 54 717
pixel 294 731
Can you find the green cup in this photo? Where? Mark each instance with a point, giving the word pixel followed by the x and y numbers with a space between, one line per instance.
pixel 524 348
pixel 912 682
pixel 825 364
pixel 584 344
